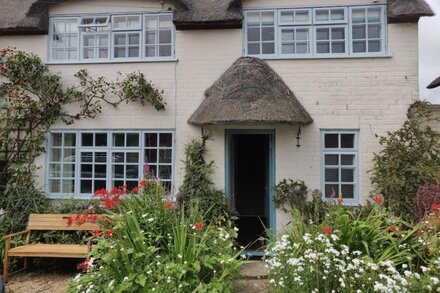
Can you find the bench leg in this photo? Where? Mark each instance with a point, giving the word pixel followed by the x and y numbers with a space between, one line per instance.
pixel 5 269
pixel 25 261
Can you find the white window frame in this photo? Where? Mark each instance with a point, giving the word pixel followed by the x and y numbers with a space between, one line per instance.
pixel 347 23
pixel 157 44
pixel 341 151
pixel 330 27
pixel 309 41
pixel 109 150
pixel 126 46
pixel 96 48
pixel 294 11
pixel 276 45
pixel 110 32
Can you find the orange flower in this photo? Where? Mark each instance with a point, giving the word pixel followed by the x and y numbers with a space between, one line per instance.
pixel 392 228
pixel 326 230
pixel 340 199
pixel 168 205
pixel 198 226
pixel 378 199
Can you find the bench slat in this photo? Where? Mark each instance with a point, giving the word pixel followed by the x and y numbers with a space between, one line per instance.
pixel 50 250
pixel 57 222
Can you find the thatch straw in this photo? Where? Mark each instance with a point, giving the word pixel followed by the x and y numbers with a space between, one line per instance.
pixel 250 92
pixel 407 10
pixel 434 84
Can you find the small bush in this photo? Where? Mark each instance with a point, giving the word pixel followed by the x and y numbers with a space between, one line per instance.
pixel 290 195
pixel 427 195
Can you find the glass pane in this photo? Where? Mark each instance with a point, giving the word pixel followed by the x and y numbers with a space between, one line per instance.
pixel 133 52
pixel 88 40
pixel 331 175
pixel 268 34
pixel 133 39
pixel 359 32
pixel 347 141
pixel 118 157
pixel 58 41
pixel 165 22
pixel 323 34
pixel 374 14
pixel 101 157
pixel 332 159
pixel 166 140
pixel 118 171
pixel 165 156
pixel 288 48
pixel 131 184
pixel 54 170
pixel 338 47
pixel 331 190
pixel 57 139
pixel 132 171
pixel 287 17
pixel 58 27
pixel 267 18
pixel 100 171
pixel 55 155
pixel 68 170
pixel 72 41
pixel 72 54
pixel 254 49
pixel 253 18
pixel 118 183
pixel 153 170
pixel 87 20
pixel 150 37
pixel 165 37
pixel 268 48
pixel 133 22
pixel 59 54
pixel 151 156
pixel 119 52
pixel 100 184
pixel 119 22
pixel 69 155
pixel 151 139
pixel 132 139
pixel 323 47
pixel 87 157
pixel 69 139
pixel 103 53
pixel 338 14
pixel 54 186
pixel 302 16
pixel 331 140
pixel 150 51
pixel 359 47
pixel 87 139
pixel 89 53
pixel 164 172
pixel 302 48
pixel 358 15
pixel 167 185
pixel 132 158
pixel 68 186
pixel 86 171
pixel 151 22
pixel 101 139
pixel 347 160
pixel 120 39
pixel 119 139
pixel 347 175
pixel 374 31
pixel 288 34
pixel 86 186
pixel 338 33
pixel 165 50
pixel 253 34
pixel 374 46
pixel 322 15
pixel 347 191
pixel 302 34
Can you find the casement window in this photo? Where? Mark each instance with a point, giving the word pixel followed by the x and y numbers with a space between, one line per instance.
pixel 340 170
pixel 319 32
pixel 112 38
pixel 81 162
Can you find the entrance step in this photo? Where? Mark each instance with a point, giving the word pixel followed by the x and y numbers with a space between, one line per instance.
pixel 251 286
pixel 253 278
pixel 254 270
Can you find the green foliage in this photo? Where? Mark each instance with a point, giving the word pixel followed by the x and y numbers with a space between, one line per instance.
pixel 198 185
pixel 290 195
pixel 409 158
pixel 157 248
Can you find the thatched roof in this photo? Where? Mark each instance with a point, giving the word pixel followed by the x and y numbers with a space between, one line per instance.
pixel 435 83
pixel 407 10
pixel 201 14
pixel 250 92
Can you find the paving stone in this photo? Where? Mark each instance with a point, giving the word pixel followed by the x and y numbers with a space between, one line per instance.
pixel 251 286
pixel 254 270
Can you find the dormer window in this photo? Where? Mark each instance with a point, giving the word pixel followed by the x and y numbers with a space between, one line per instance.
pixel 112 38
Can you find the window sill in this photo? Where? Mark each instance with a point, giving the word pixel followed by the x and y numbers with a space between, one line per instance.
pixel 319 57
pixel 110 61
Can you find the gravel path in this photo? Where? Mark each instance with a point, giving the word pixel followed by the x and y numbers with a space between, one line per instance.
pixel 38 282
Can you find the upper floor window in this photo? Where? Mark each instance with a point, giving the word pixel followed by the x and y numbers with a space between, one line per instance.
pixel 316 32
pixel 101 38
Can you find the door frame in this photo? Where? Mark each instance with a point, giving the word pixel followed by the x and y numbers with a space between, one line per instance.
pixel 272 167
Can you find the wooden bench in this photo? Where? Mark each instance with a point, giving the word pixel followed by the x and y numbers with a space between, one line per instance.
pixel 46 222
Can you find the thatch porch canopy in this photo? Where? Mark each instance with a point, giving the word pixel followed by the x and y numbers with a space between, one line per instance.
pixel 250 92
pixel 435 83
pixel 407 10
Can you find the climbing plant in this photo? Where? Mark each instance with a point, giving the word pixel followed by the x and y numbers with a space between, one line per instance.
pixel 32 99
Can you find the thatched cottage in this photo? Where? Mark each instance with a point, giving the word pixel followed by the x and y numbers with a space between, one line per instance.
pixel 287 88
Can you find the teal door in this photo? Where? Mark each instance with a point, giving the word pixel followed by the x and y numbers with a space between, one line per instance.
pixel 250 173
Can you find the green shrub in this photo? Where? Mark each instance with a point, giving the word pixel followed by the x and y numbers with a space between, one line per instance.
pixel 156 247
pixel 290 195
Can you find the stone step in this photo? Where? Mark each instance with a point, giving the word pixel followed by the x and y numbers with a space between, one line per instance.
pixel 253 270
pixel 251 286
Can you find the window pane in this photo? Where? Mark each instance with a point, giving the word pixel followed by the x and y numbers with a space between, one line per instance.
pixel 347 160
pixel 119 22
pixel 359 46
pixel 331 140
pixel 69 155
pixel 54 186
pixel 100 184
pixel 132 158
pixel 68 170
pixel 331 190
pixel 133 39
pixel 151 22
pixel 118 183
pixel 374 46
pixel 165 37
pixel 374 14
pixel 57 139
pixel 120 39
pixel 151 139
pixel 338 33
pixel 150 51
pixel 118 157
pixel 166 140
pixel 347 141
pixel 100 171
pixel 101 139
pixel 68 186
pixel 133 52
pixel 86 186
pixel 150 37
pixel 165 50
pixel 268 33
pixel 55 155
pixel 347 175
pixel 302 16
pixel 331 175
pixel 164 172
pixel 165 22
pixel 165 156
pixel 118 171
pixel 254 49
pixel 338 47
pixel 359 32
pixel 70 139
pixel 267 18
pixel 132 171
pixel 287 17
pixel 302 48
pixel 302 34
pixel 54 170
pixel 358 15
pixel 88 40
pixel 332 159
pixel 288 34
pixel 268 48
pixel 89 53
pixel 120 52
pixel 87 157
pixel 338 14
pixel 374 31
pixel 119 139
pixel 322 15
pixel 103 53
pixel 253 18
pixel 132 139
pixel 86 171
pixel 87 139
pixel 347 191
pixel 100 157
pixel 253 34
pixel 288 48
pixel 151 156
pixel 133 22
pixel 131 184
pixel 323 34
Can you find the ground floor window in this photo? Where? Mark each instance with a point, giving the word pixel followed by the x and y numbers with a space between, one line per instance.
pixel 340 167
pixel 81 162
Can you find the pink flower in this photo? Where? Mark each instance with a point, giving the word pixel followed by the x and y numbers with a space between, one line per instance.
pixel 378 199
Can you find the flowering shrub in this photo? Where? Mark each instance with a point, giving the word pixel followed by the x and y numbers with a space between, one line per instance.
pixel 155 247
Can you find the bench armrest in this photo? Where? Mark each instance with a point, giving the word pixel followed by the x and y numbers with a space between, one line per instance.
pixel 16 234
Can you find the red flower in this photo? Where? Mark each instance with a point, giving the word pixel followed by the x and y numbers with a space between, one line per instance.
pixel 436 209
pixel 84 265
pixel 326 230
pixel 108 203
pixel 378 199
pixel 69 221
pixel 418 232
pixel 108 233
pixel 97 233
pixel 2 69
pixel 340 200
pixel 168 205
pixel 143 183
pixel 135 189
pixel 198 226
pixel 93 218
pixel 392 228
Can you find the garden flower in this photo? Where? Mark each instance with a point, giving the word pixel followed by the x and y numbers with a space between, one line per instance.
pixel 340 199
pixel 143 183
pixel 108 233
pixel 392 228
pixel 97 233
pixel 168 205
pixel 378 199
pixel 135 189
pixel 326 230
pixel 146 168
pixel 436 209
pixel 69 221
pixel 198 226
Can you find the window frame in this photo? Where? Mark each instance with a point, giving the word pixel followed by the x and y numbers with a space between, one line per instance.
pixel 330 40
pixel 341 151
pixel 109 150
pixel 276 45
pixel 309 41
pixel 111 32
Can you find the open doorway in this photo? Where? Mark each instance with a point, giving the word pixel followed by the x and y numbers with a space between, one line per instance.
pixel 249 183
